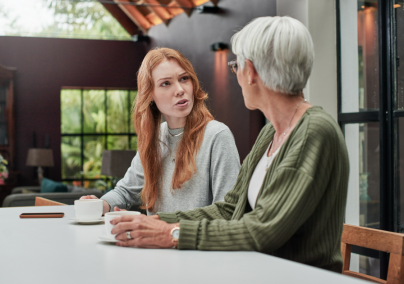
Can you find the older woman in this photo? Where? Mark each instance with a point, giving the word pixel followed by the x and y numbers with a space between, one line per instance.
pixel 290 195
pixel 190 160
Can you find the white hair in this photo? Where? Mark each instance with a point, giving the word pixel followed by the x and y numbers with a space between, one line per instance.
pixel 281 50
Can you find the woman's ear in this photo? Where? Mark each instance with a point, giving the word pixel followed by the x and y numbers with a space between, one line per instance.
pixel 251 72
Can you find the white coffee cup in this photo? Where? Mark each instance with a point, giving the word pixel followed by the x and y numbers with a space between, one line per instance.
pixel 112 215
pixel 88 209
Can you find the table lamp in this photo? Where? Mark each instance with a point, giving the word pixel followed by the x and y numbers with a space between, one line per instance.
pixel 115 163
pixel 40 158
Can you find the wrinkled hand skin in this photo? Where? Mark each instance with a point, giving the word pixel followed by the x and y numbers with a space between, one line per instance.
pixel 146 231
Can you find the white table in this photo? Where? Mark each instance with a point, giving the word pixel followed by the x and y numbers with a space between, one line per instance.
pixel 57 251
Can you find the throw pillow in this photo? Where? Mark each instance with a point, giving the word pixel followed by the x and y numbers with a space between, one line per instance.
pixel 48 186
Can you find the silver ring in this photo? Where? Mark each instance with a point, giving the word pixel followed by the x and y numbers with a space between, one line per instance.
pixel 128 235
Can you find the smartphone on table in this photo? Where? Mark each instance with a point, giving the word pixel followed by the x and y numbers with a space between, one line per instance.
pixel 43 215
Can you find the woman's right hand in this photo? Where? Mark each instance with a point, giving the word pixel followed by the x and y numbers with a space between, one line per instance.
pixel 88 197
pixel 105 206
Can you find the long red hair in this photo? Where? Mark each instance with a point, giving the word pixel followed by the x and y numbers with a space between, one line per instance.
pixel 147 120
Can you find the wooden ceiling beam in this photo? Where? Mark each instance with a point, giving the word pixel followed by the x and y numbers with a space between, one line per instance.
pixel 186 4
pixel 160 12
pixel 174 10
pixel 200 2
pixel 134 14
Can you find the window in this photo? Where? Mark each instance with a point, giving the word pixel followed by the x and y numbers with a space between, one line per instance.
pixel 93 120
pixel 59 19
pixel 370 112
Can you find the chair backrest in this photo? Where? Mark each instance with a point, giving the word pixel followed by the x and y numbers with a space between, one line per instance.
pixel 40 201
pixel 392 243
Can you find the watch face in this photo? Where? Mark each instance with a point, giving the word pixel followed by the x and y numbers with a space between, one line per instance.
pixel 176 234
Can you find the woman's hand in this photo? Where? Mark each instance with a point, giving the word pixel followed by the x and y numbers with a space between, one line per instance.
pixel 105 205
pixel 116 208
pixel 88 197
pixel 146 232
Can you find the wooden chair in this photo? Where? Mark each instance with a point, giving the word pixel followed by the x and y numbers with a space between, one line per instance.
pixel 40 201
pixel 392 243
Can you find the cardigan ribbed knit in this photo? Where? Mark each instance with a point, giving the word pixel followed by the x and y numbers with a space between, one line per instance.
pixel 300 209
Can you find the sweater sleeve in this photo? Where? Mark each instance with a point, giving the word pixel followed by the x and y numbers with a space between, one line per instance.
pixel 287 200
pixel 224 165
pixel 127 191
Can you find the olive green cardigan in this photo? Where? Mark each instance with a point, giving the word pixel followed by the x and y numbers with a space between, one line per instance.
pixel 300 209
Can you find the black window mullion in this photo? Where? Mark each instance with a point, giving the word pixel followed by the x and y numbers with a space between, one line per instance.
pixel 82 138
pixel 387 214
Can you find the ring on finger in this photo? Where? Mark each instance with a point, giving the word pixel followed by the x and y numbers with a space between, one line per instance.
pixel 128 235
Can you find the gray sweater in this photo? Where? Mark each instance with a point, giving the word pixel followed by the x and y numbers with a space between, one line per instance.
pixel 217 167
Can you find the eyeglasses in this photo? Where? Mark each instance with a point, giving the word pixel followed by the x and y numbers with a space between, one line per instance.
pixel 233 66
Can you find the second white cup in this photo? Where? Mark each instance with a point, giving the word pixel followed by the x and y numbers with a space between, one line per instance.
pixel 111 215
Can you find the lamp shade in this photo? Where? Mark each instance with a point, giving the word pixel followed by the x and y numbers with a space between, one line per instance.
pixel 40 157
pixel 115 163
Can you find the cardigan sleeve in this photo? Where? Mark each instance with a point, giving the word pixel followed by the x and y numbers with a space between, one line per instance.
pixel 289 196
pixel 267 227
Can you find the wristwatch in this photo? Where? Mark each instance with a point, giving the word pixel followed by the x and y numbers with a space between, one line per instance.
pixel 175 234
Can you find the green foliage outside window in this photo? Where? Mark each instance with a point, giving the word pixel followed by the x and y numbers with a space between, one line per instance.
pixel 63 19
pixel 91 121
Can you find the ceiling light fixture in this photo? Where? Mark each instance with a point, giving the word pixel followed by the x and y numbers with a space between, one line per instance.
pixel 141 38
pixel 209 10
pixel 218 46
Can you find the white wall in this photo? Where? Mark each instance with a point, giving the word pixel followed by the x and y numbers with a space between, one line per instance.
pixel 320 18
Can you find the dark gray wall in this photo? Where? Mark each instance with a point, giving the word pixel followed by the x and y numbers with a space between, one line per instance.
pixel 193 35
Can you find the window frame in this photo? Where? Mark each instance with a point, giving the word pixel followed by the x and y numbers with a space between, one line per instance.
pixel 104 134
pixel 386 116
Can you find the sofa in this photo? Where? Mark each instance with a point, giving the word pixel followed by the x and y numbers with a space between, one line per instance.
pixel 19 198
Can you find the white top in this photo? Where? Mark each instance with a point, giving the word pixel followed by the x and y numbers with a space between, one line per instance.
pixel 48 251
pixel 259 175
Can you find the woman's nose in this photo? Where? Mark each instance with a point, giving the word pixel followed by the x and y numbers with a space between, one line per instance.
pixel 179 91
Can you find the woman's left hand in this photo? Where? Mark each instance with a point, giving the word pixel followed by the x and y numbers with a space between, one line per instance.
pixel 146 232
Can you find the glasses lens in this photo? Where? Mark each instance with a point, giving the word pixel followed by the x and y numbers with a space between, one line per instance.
pixel 233 66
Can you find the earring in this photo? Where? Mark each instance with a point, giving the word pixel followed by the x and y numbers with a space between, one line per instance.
pixel 249 83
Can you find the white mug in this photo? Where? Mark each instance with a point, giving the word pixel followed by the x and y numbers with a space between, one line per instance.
pixel 88 209
pixel 112 215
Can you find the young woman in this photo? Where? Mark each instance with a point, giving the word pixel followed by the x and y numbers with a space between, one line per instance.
pixel 190 160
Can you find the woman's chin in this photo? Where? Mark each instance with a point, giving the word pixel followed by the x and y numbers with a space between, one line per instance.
pixel 250 107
